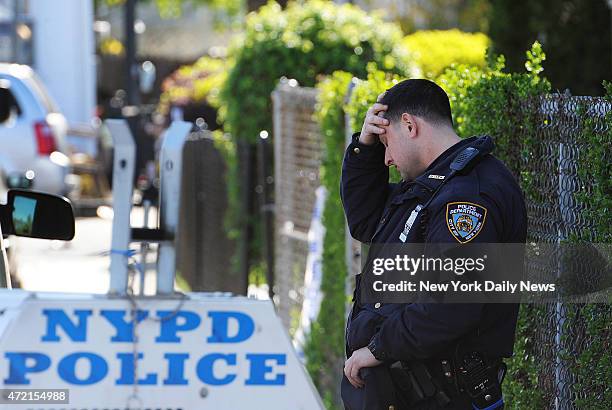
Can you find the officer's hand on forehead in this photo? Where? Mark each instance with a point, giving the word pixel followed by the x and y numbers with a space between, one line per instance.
pixel 374 123
pixel 379 102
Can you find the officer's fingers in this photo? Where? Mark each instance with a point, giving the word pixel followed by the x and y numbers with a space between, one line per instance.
pixel 377 107
pixel 347 368
pixel 355 375
pixel 378 120
pixel 372 129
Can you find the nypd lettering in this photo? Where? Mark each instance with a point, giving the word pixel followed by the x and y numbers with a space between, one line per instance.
pixel 465 220
pixel 214 365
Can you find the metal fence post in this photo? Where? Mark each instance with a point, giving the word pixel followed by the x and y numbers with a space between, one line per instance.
pixel 171 162
pixel 266 206
pixel 123 184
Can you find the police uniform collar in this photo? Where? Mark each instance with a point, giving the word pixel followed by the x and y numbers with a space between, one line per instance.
pixel 439 169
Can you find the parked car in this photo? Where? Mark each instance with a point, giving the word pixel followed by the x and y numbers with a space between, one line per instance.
pixel 33 131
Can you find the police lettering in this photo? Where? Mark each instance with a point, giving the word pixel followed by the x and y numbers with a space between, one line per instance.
pixel 87 368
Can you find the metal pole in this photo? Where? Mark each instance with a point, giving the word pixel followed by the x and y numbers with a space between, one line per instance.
pixel 266 208
pixel 563 376
pixel 5 275
pixel 171 165
pixel 123 184
pixel 131 85
pixel 144 247
pixel 245 155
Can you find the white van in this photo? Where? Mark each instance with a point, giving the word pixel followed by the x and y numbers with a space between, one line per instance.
pixel 33 132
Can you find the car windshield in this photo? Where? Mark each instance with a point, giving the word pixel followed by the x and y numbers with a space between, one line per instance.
pixel 41 93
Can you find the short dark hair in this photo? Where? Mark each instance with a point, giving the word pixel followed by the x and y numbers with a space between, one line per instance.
pixel 422 98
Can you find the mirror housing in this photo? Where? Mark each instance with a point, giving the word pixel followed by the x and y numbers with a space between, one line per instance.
pixel 37 215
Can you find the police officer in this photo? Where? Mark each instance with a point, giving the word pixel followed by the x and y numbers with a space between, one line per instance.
pixel 410 128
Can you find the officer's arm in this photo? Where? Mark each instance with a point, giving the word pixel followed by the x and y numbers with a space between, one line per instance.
pixel 423 330
pixel 364 187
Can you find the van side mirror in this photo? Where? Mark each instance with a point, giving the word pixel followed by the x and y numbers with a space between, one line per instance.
pixel 37 215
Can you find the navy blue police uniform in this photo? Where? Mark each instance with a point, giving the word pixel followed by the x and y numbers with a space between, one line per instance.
pixel 481 204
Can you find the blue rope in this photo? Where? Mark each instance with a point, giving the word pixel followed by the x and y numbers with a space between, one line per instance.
pixel 128 252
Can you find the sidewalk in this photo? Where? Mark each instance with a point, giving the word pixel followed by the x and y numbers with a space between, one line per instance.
pixel 81 265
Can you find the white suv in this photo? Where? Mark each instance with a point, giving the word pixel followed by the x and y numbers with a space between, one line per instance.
pixel 33 133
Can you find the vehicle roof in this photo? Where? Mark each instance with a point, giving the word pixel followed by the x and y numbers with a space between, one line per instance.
pixel 20 71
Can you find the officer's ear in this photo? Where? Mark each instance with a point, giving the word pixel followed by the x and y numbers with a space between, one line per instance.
pixel 409 123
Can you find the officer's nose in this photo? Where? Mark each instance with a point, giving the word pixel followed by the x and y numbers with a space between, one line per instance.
pixel 388 159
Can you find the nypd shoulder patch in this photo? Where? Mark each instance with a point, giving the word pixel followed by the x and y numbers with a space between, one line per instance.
pixel 465 220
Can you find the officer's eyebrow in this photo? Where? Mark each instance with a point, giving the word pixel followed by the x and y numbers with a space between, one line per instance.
pixel 383 140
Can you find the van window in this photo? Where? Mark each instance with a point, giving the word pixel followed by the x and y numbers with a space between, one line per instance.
pixel 8 104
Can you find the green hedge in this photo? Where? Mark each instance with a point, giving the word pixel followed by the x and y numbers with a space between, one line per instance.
pixel 302 42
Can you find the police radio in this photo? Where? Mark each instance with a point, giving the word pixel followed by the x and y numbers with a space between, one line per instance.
pixel 463 161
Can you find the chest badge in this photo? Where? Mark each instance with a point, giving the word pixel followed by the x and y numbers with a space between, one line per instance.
pixel 465 220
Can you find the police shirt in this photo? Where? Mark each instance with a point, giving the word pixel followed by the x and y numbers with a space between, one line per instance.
pixel 379 212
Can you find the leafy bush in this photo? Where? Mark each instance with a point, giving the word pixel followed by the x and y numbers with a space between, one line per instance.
pixel 197 82
pixel 479 96
pixel 301 42
pixel 434 51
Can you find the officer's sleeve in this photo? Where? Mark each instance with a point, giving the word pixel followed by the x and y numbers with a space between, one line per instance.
pixel 424 330
pixel 364 187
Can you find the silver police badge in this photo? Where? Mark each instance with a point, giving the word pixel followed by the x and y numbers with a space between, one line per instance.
pixel 465 220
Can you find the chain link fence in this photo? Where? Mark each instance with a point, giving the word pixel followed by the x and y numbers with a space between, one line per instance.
pixel 297 154
pixel 561 337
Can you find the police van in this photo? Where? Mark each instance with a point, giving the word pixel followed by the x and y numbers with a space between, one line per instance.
pixel 123 351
